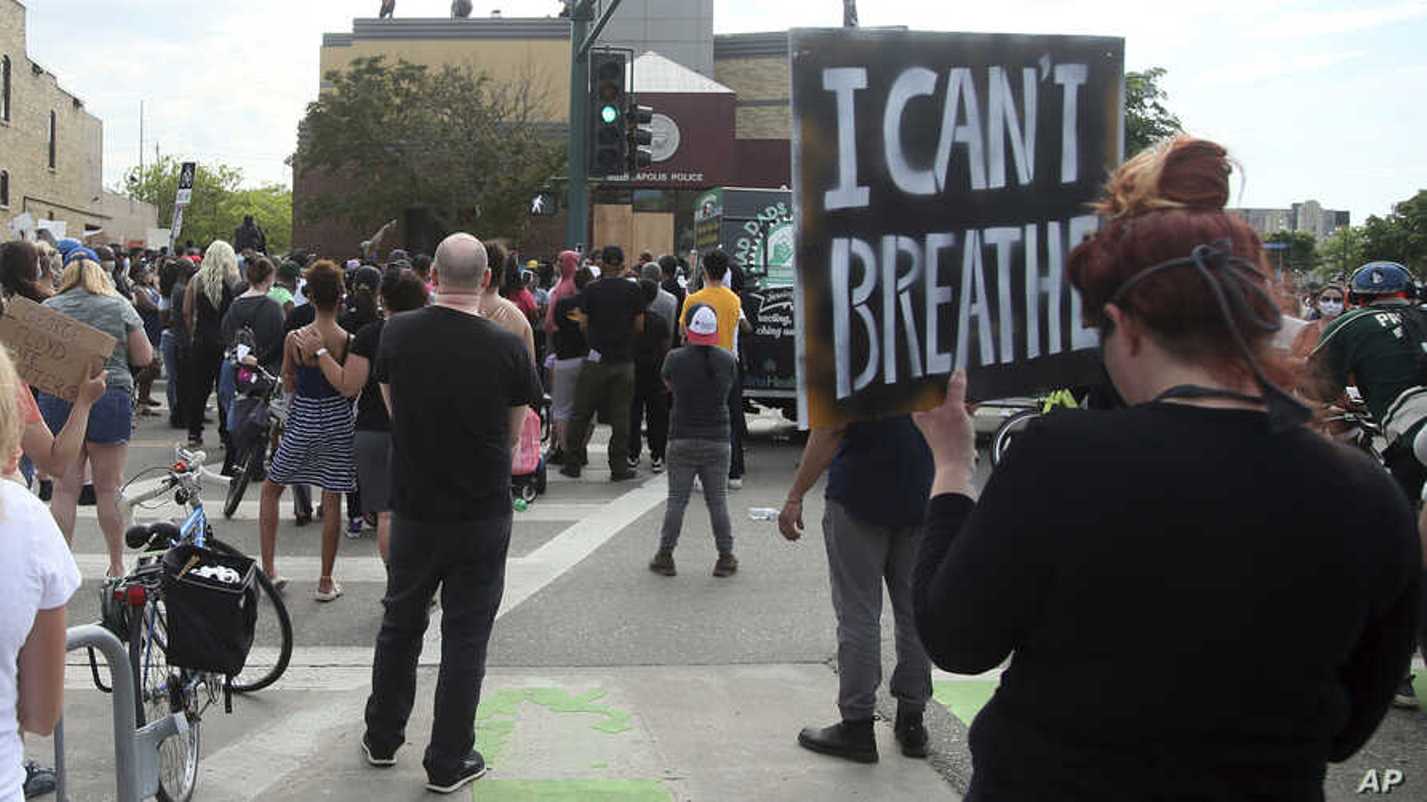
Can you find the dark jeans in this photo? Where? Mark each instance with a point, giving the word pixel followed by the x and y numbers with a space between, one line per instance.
pixel 608 390
pixel 651 400
pixel 738 430
pixel 202 375
pixel 467 562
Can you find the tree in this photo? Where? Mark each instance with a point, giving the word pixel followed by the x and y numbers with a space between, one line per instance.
pixel 1301 254
pixel 1341 253
pixel 1401 236
pixel 219 201
pixel 1147 119
pixel 451 142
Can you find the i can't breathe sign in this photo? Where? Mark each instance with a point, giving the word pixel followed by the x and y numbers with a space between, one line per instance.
pixel 941 181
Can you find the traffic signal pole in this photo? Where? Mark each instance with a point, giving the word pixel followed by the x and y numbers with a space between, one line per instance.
pixel 582 38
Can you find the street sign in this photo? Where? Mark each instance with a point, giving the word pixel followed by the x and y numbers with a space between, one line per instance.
pixel 185 183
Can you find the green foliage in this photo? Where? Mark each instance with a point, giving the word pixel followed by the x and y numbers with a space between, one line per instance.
pixel 450 141
pixel 1401 236
pixel 1340 254
pixel 1302 250
pixel 1147 119
pixel 219 202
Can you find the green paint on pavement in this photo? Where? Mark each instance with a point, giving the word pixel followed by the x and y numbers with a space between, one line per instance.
pixel 599 765
pixel 1419 683
pixel 964 698
pixel 570 791
pixel 499 711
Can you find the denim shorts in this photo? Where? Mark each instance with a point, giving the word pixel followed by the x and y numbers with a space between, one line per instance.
pixel 111 419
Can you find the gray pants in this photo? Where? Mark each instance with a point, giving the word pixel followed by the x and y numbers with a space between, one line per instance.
pixel 860 557
pixel 709 460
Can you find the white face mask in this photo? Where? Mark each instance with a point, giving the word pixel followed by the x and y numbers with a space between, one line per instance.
pixel 1330 308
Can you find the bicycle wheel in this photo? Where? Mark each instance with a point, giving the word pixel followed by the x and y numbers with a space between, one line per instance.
pixel 246 469
pixel 272 642
pixel 1006 434
pixel 163 691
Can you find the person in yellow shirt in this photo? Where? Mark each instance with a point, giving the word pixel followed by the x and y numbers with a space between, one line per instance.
pixel 729 309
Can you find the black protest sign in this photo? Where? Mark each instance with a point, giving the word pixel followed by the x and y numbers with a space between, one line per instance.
pixel 941 181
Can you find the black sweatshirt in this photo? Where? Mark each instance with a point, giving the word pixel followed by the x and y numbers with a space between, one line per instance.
pixel 1194 608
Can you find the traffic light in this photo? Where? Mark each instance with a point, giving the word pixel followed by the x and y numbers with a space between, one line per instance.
pixel 641 138
pixel 609 138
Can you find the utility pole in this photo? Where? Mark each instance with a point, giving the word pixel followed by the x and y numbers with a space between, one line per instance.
pixel 582 38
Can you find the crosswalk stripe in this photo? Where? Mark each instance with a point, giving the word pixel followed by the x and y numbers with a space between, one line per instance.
pixel 539 512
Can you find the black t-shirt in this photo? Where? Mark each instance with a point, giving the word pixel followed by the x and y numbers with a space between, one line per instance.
pixel 264 316
pixel 1147 571
pixel 569 340
pixel 612 304
pixel 371 409
pixel 300 316
pixel 453 379
pixel 882 472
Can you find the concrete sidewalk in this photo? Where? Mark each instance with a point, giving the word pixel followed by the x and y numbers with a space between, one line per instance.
pixel 648 734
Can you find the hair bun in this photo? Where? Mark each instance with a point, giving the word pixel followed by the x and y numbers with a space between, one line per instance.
pixel 1179 173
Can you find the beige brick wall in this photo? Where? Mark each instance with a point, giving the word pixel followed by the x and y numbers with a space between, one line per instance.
pixel 758 81
pixel 73 190
pixel 544 63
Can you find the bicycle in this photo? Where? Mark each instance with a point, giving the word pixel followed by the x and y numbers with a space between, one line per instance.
pixel 257 426
pixel 1007 432
pixel 272 645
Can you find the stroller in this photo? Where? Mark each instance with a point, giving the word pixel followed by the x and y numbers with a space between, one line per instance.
pixel 528 475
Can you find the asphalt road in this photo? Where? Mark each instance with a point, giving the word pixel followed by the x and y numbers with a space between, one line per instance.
pixel 716 675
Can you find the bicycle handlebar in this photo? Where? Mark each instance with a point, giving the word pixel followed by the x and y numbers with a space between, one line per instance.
pixel 194 473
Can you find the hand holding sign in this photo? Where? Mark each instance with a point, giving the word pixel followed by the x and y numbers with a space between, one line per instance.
pixel 951 436
pixel 94 387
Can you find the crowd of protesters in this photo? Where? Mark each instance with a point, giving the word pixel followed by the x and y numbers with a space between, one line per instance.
pixel 410 378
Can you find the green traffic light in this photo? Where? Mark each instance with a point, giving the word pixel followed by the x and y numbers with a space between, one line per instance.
pixel 610 114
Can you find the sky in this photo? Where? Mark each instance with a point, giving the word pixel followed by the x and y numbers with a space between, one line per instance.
pixel 1316 100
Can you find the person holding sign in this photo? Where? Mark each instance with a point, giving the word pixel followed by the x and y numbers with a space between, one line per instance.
pixel 1146 570
pixel 86 294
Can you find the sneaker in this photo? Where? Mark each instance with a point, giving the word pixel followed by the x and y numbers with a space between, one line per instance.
pixel 727 565
pixel 472 768
pixel 663 563
pixel 555 457
pixel 633 462
pixel 911 733
pixel 850 740
pixel 571 470
pixel 86 496
pixel 302 520
pixel 47 489
pixel 735 483
pixel 623 476
pixel 354 528
pixel 39 780
pixel 656 465
pixel 374 759
pixel 1406 695
pixel 370 521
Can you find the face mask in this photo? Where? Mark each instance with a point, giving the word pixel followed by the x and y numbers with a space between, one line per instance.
pixel 1330 308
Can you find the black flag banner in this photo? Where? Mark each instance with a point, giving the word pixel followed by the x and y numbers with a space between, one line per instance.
pixel 940 181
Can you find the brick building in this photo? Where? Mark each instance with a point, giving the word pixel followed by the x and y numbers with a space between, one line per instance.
pixel 52 150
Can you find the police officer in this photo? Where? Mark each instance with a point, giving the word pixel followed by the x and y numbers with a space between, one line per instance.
pixel 1382 345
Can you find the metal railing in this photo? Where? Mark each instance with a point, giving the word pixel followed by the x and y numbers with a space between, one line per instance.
pixel 136 750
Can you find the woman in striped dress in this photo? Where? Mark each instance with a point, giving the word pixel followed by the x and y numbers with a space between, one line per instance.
pixel 316 446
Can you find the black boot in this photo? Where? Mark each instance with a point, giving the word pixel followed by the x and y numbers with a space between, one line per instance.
pixel 852 740
pixel 911 733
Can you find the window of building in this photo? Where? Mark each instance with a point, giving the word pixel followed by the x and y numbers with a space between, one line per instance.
pixel 54 135
pixel 4 190
pixel 5 88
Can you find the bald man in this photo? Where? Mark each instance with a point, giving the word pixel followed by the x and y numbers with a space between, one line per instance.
pixel 457 387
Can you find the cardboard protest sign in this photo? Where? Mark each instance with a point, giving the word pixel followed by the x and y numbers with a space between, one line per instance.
pixel 52 351
pixel 941 181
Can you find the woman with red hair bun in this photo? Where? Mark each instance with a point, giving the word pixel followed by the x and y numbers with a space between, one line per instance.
pixel 1187 612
